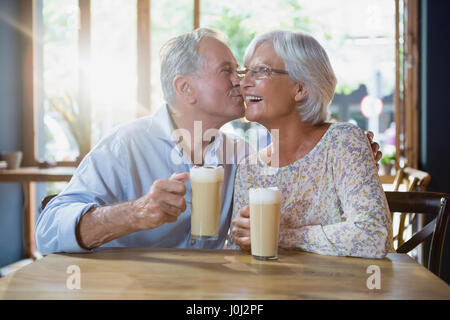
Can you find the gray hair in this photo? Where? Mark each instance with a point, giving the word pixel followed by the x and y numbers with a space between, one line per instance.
pixel 179 56
pixel 307 63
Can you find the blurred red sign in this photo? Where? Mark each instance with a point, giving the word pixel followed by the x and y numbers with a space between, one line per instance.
pixel 371 107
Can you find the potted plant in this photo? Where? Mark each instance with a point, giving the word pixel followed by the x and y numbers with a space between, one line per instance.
pixel 387 162
pixel 76 120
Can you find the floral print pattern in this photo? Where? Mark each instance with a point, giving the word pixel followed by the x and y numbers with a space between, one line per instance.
pixel 332 200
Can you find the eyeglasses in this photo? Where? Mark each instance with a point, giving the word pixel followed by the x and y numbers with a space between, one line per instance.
pixel 259 72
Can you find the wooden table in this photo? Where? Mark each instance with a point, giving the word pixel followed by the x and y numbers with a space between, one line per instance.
pixel 28 176
pixel 218 274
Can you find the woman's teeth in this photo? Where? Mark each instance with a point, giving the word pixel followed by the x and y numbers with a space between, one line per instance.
pixel 254 99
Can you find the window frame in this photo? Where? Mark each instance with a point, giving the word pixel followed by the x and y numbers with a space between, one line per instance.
pixel 406 70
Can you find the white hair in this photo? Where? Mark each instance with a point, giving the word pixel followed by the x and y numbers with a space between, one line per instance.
pixel 180 56
pixel 307 63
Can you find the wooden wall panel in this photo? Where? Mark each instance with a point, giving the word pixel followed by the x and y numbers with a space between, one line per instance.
pixel 29 102
pixel 144 54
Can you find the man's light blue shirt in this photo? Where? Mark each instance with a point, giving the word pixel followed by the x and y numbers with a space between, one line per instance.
pixel 123 167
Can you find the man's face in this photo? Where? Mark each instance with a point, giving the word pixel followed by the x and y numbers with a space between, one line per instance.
pixel 217 85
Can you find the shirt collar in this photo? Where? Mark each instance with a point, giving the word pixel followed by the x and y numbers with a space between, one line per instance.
pixel 163 121
pixel 166 126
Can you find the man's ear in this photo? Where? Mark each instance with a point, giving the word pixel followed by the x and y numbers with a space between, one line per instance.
pixel 184 89
pixel 300 92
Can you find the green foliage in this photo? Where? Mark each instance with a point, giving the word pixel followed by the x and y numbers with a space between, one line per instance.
pixel 241 24
pixel 75 119
pixel 346 88
pixel 297 18
pixel 58 19
pixel 55 187
pixel 388 158
pixel 232 24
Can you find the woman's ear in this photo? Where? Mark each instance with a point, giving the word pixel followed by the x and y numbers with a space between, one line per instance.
pixel 184 89
pixel 300 92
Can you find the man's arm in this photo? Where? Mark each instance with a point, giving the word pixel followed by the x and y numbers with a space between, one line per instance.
pixel 162 204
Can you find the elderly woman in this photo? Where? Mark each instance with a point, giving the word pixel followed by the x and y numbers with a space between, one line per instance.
pixel 332 199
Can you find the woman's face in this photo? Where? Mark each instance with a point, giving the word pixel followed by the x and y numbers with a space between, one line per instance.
pixel 269 99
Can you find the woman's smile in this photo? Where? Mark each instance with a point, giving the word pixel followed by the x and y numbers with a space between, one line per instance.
pixel 251 100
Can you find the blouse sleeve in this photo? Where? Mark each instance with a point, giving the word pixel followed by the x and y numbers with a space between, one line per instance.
pixel 365 227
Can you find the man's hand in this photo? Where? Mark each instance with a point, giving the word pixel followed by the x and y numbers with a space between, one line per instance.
pixel 377 154
pixel 162 204
pixel 241 228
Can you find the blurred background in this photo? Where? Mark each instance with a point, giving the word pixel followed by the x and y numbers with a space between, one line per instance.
pixel 361 48
pixel 72 70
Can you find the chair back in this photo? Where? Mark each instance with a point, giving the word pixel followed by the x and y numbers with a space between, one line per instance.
pixel 433 204
pixel 47 200
pixel 414 180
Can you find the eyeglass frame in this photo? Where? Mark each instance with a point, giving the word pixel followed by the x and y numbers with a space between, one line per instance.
pixel 242 72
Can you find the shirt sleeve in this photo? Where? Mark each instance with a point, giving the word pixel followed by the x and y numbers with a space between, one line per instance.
pixel 99 180
pixel 365 227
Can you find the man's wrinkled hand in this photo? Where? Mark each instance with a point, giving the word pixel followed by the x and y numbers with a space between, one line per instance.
pixel 162 204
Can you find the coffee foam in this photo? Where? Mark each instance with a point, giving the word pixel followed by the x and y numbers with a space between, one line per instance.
pixel 206 174
pixel 264 195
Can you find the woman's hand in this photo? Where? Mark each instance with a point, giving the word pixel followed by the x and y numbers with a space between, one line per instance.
pixel 241 228
pixel 377 154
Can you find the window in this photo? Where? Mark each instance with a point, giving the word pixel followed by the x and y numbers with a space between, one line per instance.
pixel 168 19
pixel 113 65
pixel 60 79
pixel 101 60
pixel 361 48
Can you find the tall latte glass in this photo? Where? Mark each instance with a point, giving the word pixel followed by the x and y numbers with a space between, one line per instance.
pixel 264 222
pixel 206 193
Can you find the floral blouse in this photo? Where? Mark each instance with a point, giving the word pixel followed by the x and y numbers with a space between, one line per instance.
pixel 332 199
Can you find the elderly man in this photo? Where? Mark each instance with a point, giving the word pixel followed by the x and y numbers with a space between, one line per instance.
pixel 121 194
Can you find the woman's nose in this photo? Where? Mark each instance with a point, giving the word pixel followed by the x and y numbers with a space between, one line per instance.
pixel 245 80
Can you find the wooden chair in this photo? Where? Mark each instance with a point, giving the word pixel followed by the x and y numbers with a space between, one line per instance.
pixel 47 200
pixel 434 204
pixel 413 180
